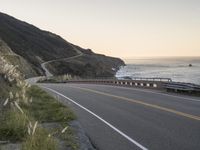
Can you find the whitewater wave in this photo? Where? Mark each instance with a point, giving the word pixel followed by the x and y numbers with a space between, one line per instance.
pixel 178 70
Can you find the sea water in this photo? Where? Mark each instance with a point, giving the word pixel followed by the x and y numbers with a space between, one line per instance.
pixel 176 68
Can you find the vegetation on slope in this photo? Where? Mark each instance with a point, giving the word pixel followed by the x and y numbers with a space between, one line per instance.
pixel 87 66
pixel 37 46
pixel 23 66
pixel 23 111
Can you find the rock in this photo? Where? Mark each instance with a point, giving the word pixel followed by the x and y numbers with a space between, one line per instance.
pixel 83 141
pixel 81 138
pixel 11 146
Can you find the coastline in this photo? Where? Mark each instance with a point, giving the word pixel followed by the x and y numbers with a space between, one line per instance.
pixel 176 69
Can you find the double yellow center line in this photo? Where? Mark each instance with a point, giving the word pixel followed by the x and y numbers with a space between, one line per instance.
pixel 142 103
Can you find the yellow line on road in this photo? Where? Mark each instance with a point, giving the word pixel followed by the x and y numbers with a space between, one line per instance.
pixel 144 103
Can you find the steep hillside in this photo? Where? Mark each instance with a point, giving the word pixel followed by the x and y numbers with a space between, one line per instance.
pixel 87 66
pixel 37 46
pixel 23 66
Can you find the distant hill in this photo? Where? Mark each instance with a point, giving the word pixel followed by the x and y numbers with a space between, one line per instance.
pixel 36 46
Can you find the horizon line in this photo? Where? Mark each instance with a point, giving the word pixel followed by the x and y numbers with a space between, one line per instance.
pixel 131 57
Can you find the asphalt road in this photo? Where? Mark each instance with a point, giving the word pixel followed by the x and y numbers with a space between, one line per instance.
pixel 119 118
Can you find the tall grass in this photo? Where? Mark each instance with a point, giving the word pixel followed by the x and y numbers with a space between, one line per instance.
pixel 15 120
pixel 40 141
pixel 24 108
pixel 46 109
pixel 13 126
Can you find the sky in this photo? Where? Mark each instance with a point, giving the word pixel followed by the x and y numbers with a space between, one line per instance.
pixel 121 28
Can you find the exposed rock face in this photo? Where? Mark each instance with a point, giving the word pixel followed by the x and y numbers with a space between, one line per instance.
pixel 11 146
pixel 3 89
pixel 4 48
pixel 37 46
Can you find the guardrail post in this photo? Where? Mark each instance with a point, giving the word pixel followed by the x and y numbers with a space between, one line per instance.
pixel 137 82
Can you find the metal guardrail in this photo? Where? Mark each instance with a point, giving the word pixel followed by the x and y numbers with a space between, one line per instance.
pixel 135 78
pixel 155 83
pixel 154 79
pixel 182 87
pixel 158 83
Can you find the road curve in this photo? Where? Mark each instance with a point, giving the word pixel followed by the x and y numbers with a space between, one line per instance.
pixel 48 73
pixel 129 119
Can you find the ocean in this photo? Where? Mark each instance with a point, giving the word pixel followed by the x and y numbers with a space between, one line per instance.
pixel 176 68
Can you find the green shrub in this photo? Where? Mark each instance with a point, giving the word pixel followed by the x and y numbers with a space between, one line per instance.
pixel 13 126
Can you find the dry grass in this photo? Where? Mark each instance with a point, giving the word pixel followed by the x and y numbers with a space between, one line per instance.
pixel 46 108
pixel 24 107
pixel 39 141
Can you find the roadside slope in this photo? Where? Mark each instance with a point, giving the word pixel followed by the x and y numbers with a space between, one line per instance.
pixel 23 66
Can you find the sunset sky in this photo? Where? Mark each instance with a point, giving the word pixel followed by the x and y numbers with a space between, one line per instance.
pixel 122 28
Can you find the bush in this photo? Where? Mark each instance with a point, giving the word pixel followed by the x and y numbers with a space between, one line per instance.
pixel 13 126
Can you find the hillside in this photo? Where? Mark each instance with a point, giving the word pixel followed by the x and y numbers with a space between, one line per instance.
pixel 13 58
pixel 36 46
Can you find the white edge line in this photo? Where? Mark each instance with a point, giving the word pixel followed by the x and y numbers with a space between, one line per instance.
pixel 107 123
